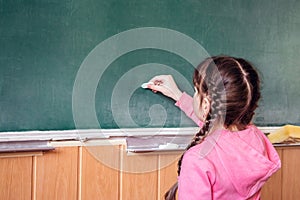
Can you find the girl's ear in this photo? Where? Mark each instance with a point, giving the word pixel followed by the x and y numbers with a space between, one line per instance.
pixel 205 106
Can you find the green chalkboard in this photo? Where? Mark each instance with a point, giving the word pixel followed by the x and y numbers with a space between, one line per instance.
pixel 79 64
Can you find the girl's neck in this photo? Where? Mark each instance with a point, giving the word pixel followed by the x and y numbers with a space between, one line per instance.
pixel 232 128
pixel 235 128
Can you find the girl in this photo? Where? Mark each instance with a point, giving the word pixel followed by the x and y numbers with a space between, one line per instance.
pixel 229 158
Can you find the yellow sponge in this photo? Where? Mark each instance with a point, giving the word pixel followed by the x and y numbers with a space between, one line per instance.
pixel 285 134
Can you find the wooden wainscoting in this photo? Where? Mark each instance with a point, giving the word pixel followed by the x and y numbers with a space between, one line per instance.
pixel 107 172
pixel 97 179
pixel 16 178
pixel 291 173
pixel 272 190
pixel 56 174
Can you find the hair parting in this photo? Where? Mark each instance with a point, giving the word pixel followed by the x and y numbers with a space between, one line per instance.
pixel 232 86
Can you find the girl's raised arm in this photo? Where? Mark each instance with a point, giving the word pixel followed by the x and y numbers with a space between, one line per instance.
pixel 167 86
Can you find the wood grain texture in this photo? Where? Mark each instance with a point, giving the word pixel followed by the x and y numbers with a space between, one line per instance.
pixel 100 179
pixel 291 173
pixel 139 177
pixel 167 172
pixel 56 174
pixel 273 187
pixel 107 172
pixel 15 181
pixel 21 154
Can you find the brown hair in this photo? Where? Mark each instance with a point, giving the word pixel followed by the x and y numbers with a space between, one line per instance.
pixel 232 86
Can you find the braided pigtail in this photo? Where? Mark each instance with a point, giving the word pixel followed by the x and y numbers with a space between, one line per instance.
pixel 171 193
pixel 208 83
pixel 232 86
pixel 196 140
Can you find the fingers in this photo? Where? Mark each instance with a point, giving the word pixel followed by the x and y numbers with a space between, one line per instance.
pixel 160 78
pixel 156 87
pixel 166 85
pixel 161 81
pixel 158 82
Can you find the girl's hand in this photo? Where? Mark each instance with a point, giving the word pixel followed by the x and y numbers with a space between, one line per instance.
pixel 166 85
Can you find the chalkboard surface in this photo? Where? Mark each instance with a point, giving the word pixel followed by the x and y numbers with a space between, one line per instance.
pixel 46 45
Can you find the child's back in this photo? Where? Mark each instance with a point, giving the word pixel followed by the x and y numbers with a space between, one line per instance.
pixel 233 165
pixel 228 158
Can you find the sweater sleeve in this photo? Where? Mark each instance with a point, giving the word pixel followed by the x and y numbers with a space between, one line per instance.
pixel 185 103
pixel 195 182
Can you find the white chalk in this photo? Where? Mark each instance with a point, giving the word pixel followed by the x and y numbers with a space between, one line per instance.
pixel 168 146
pixel 145 85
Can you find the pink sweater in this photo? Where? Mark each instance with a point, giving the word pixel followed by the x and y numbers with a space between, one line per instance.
pixel 226 165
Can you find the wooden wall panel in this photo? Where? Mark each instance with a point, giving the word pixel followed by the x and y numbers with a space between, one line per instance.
pixel 291 173
pixel 68 173
pixel 15 178
pixel 139 177
pixel 167 172
pixel 100 179
pixel 273 187
pixel 56 174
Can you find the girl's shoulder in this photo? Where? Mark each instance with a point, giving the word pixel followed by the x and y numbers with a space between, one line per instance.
pixel 202 150
pixel 196 158
pixel 251 136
